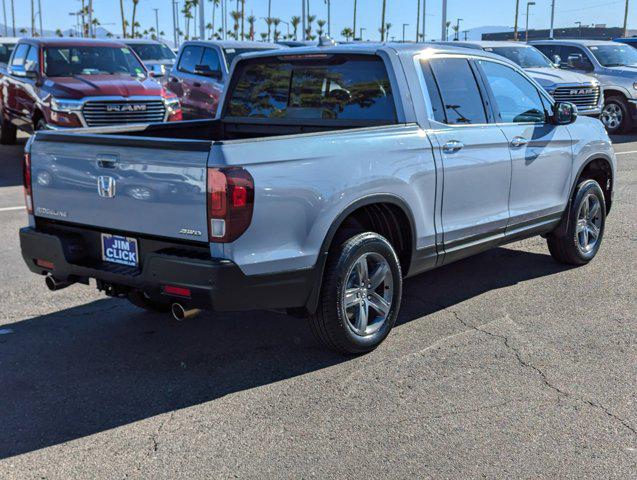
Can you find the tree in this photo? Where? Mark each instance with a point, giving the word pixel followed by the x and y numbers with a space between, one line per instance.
pixel 121 10
pixel 133 22
pixel 236 16
pixel 251 21
pixel 295 21
pixel 347 33
pixel 321 24
pixel 268 22
pixel 447 25
pixel 58 33
pixel 456 30
pixel 308 31
pixel 382 22
pixel 277 33
pixel 264 36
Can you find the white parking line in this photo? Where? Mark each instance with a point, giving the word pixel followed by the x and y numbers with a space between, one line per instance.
pixel 9 209
pixel 625 153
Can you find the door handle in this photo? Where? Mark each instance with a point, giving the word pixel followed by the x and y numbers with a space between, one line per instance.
pixel 107 161
pixel 452 146
pixel 518 142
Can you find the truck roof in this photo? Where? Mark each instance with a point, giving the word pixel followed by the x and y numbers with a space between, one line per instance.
pixel 234 44
pixel 578 42
pixel 73 42
pixel 484 44
pixel 370 48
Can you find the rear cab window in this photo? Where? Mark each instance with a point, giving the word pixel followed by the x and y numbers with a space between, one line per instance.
pixel 336 88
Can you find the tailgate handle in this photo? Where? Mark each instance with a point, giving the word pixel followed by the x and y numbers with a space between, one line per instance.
pixel 107 161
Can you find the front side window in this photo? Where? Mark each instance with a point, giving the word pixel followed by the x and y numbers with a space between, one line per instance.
pixel 461 96
pixel 614 55
pixel 517 99
pixel 90 60
pixel 210 60
pixel 20 55
pixel 574 58
pixel 354 87
pixel 31 61
pixel 190 58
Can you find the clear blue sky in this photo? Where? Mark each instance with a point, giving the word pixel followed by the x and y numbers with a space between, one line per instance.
pixel 475 13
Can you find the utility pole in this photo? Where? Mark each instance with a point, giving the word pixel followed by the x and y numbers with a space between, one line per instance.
pixel 515 25
pixel 404 25
pixel 424 19
pixel 40 15
pixel 418 23
pixel 457 35
pixel 202 21
pixel 302 18
pixel 91 33
pixel 269 21
pixel 526 30
pixel 329 19
pixel 553 17
pixel 156 23
pixel 626 20
pixel 175 41
pixel 465 34
pixel 354 28
pixel 32 19
pixel 4 12
pixel 443 35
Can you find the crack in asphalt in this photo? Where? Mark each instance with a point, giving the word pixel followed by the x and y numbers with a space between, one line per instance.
pixel 542 374
pixel 155 436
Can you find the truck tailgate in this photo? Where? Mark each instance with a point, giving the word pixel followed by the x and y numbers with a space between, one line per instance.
pixel 125 187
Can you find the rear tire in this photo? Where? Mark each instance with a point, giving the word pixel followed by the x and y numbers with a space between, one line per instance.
pixel 616 115
pixel 360 295
pixel 8 133
pixel 141 300
pixel 580 241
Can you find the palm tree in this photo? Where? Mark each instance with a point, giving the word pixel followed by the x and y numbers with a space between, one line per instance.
pixel 321 24
pixel 58 33
pixel 295 21
pixel 387 27
pixel 277 33
pixel 382 22
pixel 133 22
pixel 121 10
pixel 456 30
pixel 347 33
pixel 310 20
pixel 268 21
pixel 264 36
pixel 236 16
pixel 447 25
pixel 215 4
pixel 251 21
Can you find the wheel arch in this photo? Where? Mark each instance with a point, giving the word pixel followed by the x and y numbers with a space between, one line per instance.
pixel 392 205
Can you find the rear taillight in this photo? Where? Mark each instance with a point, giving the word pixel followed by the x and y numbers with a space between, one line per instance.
pixel 26 182
pixel 230 203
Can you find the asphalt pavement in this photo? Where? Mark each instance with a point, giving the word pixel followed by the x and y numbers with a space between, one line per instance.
pixel 505 365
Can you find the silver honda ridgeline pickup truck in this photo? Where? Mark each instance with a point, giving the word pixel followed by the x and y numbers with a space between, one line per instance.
pixel 329 175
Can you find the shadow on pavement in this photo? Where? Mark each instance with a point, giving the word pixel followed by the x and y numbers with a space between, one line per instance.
pixel 106 364
pixel 627 138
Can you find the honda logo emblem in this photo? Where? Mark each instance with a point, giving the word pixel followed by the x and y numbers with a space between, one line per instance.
pixel 106 186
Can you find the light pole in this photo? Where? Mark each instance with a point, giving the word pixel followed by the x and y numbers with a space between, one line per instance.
pixel 553 17
pixel 156 23
pixel 526 31
pixel 626 20
pixel 4 12
pixel 443 35
pixel 202 21
pixel 579 25
pixel 404 25
pixel 457 35
pixel 329 20
pixel 424 15
pixel 303 20
pixel 40 14
pixel 515 25
pixel 32 19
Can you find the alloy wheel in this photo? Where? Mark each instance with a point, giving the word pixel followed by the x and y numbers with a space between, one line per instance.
pixel 612 116
pixel 589 223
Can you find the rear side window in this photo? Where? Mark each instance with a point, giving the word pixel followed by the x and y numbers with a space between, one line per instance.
pixel 461 97
pixel 190 58
pixel 6 49
pixel 340 87
pixel 434 93
pixel 20 55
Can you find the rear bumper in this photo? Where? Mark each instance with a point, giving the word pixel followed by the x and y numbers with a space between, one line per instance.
pixel 215 284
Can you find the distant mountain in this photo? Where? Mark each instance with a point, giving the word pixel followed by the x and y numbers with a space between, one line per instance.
pixel 472 33
pixel 100 32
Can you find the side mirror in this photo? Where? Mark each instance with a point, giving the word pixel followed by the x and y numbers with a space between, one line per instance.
pixel 557 60
pixel 577 62
pixel 564 113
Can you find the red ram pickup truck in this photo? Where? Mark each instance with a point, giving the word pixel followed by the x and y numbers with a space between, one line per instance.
pixel 61 83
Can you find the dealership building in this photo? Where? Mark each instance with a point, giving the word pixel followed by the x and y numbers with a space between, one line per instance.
pixel 597 32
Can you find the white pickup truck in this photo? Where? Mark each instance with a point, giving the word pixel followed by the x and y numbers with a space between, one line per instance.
pixel 329 175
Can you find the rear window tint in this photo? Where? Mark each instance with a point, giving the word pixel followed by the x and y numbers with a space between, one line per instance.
pixel 354 88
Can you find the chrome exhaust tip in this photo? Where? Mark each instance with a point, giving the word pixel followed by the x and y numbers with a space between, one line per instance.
pixel 54 284
pixel 180 313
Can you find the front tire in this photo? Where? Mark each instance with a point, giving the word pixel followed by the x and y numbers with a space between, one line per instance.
pixel 360 295
pixel 580 241
pixel 616 115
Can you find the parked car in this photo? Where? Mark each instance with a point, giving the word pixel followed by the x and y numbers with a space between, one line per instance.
pixel 329 176
pixel 157 57
pixel 612 64
pixel 62 83
pixel 199 77
pixel 565 86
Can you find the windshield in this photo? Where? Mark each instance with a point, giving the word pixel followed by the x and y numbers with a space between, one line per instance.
pixel 525 57
pixel 70 61
pixel 614 55
pixel 231 53
pixel 5 51
pixel 152 51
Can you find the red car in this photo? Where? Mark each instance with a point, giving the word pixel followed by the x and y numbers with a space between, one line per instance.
pixel 61 83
